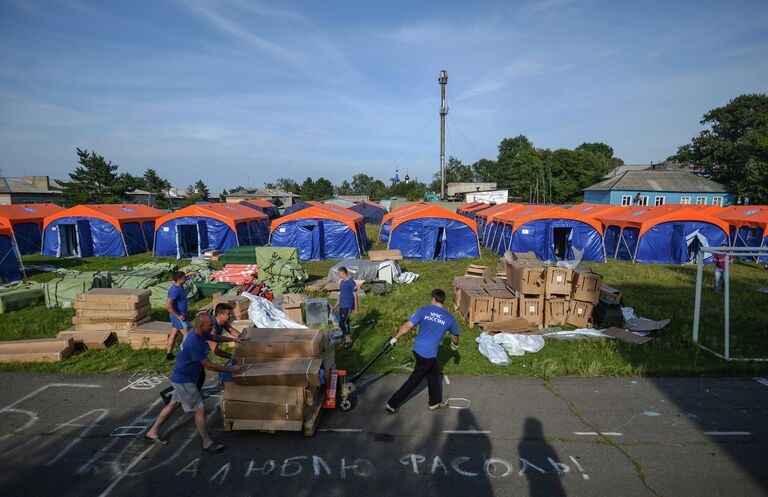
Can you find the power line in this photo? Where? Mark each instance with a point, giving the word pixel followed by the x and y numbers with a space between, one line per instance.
pixel 465 137
pixel 394 162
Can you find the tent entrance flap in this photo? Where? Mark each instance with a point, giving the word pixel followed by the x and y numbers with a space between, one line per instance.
pixel 187 240
pixel 309 238
pixel 85 237
pixel 433 243
pixel 68 246
pixel 562 241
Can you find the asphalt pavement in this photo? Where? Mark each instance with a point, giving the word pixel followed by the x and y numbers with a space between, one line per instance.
pixel 81 435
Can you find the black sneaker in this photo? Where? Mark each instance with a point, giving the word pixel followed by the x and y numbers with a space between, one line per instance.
pixel 169 356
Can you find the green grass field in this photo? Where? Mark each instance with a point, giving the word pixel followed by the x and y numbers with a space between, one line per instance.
pixel 655 291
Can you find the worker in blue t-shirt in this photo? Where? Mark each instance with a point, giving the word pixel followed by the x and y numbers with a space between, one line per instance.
pixel 176 303
pixel 433 322
pixel 193 357
pixel 347 303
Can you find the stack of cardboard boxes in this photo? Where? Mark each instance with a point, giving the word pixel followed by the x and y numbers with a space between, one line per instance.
pixel 239 305
pixel 543 295
pixel 282 387
pixel 111 310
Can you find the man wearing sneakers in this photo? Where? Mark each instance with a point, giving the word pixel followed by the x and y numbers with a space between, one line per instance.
pixel 433 322
pixel 347 303
pixel 176 303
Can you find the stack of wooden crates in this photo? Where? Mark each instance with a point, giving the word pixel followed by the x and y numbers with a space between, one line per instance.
pixel 111 310
pixel 544 295
pixel 282 388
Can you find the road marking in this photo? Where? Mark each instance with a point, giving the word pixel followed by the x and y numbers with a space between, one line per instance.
pixel 762 381
pixel 729 433
pixel 594 433
pixel 126 471
pixel 341 430
pixel 447 381
pixel 466 432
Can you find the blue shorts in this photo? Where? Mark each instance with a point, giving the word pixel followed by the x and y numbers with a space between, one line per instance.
pixel 177 324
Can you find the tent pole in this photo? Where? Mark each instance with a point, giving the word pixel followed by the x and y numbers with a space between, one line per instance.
pixel 637 247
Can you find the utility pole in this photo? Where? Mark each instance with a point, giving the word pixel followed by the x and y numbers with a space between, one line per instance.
pixel 442 80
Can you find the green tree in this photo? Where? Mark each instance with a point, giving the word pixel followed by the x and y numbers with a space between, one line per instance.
pixel 94 180
pixel 486 170
pixel 197 193
pixel 238 188
pixel 307 190
pixel 734 148
pixel 323 189
pixel 455 172
pixel 363 184
pixel 287 185
pixel 412 190
pixel 344 188
pixel 157 187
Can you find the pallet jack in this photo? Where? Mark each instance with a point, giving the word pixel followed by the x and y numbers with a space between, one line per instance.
pixel 340 388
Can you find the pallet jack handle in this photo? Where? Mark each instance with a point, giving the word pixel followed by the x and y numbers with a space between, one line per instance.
pixel 386 348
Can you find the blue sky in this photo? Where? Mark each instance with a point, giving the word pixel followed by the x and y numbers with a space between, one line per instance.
pixel 241 92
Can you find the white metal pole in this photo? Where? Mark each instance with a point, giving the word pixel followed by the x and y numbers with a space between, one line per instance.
pixel 697 304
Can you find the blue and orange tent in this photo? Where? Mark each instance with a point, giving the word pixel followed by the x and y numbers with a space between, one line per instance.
pixel 322 231
pixel 26 222
pixel 553 233
pixel 485 218
pixel 109 230
pixel 372 212
pixel 472 209
pixel 669 234
pixel 263 206
pixel 748 226
pixel 11 268
pixel 429 232
pixel 386 221
pixel 299 206
pixel 197 228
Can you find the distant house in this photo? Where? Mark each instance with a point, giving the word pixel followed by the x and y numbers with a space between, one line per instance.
pixel 30 190
pixel 278 197
pixel 658 186
pixel 456 190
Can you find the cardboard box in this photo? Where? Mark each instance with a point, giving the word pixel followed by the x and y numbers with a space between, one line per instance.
pixel 115 314
pixel 501 269
pixel 504 304
pixel 525 256
pixel 235 409
pixel 287 373
pixel 555 311
pixel 293 307
pixel 516 325
pixel 119 326
pixel 269 425
pixel 118 295
pixel 558 281
pixel 610 294
pixel 385 255
pixel 586 285
pixel 476 306
pixel 269 394
pixel 532 310
pixel 89 339
pixel 83 305
pixel 238 302
pixel 580 314
pixel 37 350
pixel 477 271
pixel 526 277
pixel 460 282
pixel 266 344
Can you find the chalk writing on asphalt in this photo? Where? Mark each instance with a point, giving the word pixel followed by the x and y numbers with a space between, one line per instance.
pixel 350 468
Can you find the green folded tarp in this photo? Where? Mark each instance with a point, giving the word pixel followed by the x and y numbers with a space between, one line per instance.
pixel 61 292
pixel 208 288
pixel 266 254
pixel 140 279
pixel 15 296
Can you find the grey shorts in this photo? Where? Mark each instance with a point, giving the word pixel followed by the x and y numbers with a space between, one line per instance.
pixel 187 395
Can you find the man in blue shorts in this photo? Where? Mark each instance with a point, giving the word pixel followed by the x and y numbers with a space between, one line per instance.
pixel 193 357
pixel 433 322
pixel 177 309
pixel 347 303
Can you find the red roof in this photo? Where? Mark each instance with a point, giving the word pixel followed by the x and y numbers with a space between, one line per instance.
pixel 27 213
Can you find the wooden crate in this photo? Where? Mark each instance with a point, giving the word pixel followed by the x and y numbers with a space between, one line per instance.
pixel 477 271
pixel 385 255
pixel 476 306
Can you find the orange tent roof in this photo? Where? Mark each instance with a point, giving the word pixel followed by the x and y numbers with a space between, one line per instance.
pixel 746 215
pixel 27 213
pixel 5 230
pixel 482 206
pixel 326 211
pixel 468 206
pixel 230 214
pixel 260 203
pixel 595 210
pixel 646 218
pixel 115 214
pixel 431 210
pixel 373 204
pixel 403 210
pixel 519 217
pixel 490 213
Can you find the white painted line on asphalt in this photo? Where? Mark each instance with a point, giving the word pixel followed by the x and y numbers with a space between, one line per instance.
pixel 594 433
pixel 762 381
pixel 447 381
pixel 728 433
pixel 466 432
pixel 125 472
pixel 341 430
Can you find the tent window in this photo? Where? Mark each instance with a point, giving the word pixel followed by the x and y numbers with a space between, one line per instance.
pixel 561 242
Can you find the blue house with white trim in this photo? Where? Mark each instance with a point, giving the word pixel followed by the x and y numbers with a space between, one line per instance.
pixel 658 186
